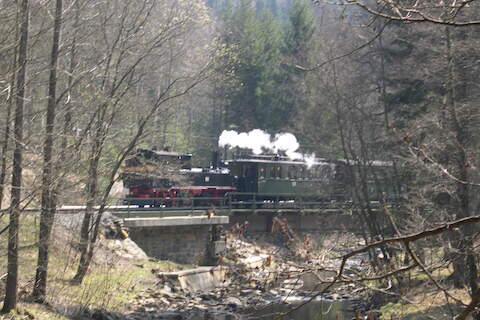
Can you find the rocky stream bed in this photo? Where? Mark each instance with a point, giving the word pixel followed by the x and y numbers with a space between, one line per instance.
pixel 258 279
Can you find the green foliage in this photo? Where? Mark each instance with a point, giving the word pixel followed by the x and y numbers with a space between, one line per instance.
pixel 278 8
pixel 299 32
pixel 298 49
pixel 268 88
pixel 256 41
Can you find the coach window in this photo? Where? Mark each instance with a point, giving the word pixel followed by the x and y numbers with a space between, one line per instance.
pixel 272 171
pixel 327 172
pixel 313 173
pixel 302 173
pixel 292 172
pixel 279 172
pixel 340 173
pixel 320 172
pixel 244 171
pixel 261 174
pixel 309 173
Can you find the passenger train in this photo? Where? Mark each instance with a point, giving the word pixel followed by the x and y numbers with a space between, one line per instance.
pixel 162 178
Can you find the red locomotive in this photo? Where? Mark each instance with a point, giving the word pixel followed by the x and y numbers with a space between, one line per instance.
pixel 164 179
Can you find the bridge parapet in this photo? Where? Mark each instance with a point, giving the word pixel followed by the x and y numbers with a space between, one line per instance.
pixel 174 221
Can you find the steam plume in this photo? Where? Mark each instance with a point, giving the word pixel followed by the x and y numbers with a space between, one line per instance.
pixel 259 141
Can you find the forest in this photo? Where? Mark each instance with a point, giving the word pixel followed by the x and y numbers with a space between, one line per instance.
pixel 85 82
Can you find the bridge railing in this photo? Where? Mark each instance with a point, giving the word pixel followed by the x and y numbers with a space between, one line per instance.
pixel 232 201
pixel 172 204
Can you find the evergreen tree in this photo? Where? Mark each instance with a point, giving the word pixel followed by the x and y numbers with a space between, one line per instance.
pixel 255 102
pixel 273 6
pixel 297 52
pixel 299 33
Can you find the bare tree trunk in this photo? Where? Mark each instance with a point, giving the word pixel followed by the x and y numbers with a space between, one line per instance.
pixel 119 74
pixel 95 154
pixel 67 121
pixel 465 267
pixel 91 196
pixel 358 174
pixel 87 249
pixel 6 137
pixel 48 197
pixel 11 290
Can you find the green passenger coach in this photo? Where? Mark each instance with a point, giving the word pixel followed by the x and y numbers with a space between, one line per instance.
pixel 284 178
pixel 274 178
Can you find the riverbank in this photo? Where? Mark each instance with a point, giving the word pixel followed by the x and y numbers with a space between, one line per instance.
pixel 262 274
pixel 124 284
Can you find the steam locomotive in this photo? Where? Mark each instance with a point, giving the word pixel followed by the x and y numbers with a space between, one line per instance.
pixel 162 178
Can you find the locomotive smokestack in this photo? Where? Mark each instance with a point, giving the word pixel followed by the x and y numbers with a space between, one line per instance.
pixel 225 153
pixel 215 159
pixel 237 153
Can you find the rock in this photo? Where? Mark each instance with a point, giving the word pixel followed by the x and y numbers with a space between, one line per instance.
pixel 268 296
pixel 199 308
pixel 170 316
pixel 274 292
pixel 229 316
pixel 99 315
pixel 140 309
pixel 246 292
pixel 292 284
pixel 233 302
pixel 303 293
pixel 151 305
pixel 373 315
pixel 208 296
pixel 167 287
pixel 164 301
pixel 197 313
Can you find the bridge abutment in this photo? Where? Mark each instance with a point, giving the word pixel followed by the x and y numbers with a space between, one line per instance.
pixel 180 239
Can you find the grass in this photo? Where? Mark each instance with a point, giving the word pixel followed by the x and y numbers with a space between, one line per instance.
pixel 426 306
pixel 112 282
pixel 426 302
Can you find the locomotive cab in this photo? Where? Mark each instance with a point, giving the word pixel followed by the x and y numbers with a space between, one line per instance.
pixel 245 175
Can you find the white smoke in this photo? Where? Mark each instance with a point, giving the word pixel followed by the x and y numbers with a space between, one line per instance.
pixel 309 159
pixel 288 143
pixel 259 141
pixel 256 140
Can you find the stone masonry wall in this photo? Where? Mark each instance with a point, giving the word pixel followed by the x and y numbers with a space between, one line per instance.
pixel 182 244
pixel 298 222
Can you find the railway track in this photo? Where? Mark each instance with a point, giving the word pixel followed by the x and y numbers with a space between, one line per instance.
pixel 232 208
